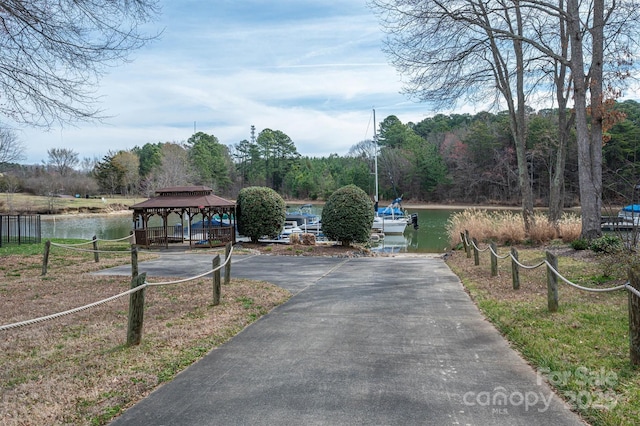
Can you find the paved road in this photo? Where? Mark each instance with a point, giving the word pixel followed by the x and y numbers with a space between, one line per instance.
pixel 363 341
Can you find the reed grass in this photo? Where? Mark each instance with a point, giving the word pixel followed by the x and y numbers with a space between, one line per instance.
pixel 542 230
pixel 570 228
pixel 507 227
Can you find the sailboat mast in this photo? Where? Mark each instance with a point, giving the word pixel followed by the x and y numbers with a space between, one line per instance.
pixel 375 154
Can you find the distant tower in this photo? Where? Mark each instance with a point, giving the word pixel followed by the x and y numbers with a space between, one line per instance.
pixel 253 134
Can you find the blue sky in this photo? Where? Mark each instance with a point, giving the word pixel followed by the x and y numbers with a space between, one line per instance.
pixel 312 69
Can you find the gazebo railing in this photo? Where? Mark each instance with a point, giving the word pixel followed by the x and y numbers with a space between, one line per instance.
pixel 154 236
pixel 213 235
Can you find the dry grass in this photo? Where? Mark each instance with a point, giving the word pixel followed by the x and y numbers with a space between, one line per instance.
pixel 76 369
pixel 507 227
pixel 27 203
pixel 570 228
pixel 542 230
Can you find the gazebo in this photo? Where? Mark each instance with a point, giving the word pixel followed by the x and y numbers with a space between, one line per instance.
pixel 176 208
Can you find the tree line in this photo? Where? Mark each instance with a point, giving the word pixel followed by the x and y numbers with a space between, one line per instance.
pixel 513 53
pixel 517 54
pixel 456 158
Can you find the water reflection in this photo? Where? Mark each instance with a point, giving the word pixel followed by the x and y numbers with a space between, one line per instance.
pixel 431 237
pixel 86 226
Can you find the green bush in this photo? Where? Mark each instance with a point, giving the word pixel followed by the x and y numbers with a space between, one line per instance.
pixel 606 244
pixel 261 211
pixel 579 244
pixel 348 216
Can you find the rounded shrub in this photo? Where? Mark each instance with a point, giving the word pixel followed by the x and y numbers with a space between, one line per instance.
pixel 261 211
pixel 348 216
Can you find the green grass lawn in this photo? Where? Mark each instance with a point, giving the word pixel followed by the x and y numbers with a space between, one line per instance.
pixel 10 202
pixel 583 349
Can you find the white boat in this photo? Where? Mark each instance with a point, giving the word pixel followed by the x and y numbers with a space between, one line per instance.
pixel 628 218
pixel 305 219
pixel 389 225
pixel 391 219
pixel 290 227
pixel 630 214
pixel 311 228
pixel 302 215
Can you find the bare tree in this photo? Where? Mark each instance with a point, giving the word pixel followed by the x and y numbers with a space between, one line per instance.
pixel 466 49
pixel 62 160
pixel 364 149
pixel 88 164
pixel 11 149
pixel 10 184
pixel 54 53
pixel 129 164
pixel 174 169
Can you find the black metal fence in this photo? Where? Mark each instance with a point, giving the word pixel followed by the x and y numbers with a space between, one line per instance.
pixel 20 229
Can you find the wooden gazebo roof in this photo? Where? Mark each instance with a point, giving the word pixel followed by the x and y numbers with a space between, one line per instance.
pixel 183 197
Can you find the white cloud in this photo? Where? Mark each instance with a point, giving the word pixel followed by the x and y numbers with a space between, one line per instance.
pixel 314 73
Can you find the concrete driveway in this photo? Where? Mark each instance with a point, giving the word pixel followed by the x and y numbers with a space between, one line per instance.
pixel 363 341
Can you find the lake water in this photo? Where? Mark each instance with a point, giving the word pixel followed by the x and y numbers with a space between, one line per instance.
pixel 108 227
pixel 431 237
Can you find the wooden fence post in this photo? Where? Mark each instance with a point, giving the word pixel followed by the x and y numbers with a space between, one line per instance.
pixel 515 272
pixel 134 262
pixel 227 266
pixel 552 283
pixel 45 259
pixel 216 280
pixel 494 259
pixel 136 311
pixel 464 241
pixel 634 316
pixel 476 253
pixel 467 246
pixel 95 249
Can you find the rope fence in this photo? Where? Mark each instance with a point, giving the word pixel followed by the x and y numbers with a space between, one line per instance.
pixel 553 268
pixel 632 289
pixel 632 286
pixel 86 250
pixel 78 247
pixel 128 237
pixel 138 285
pixel 69 312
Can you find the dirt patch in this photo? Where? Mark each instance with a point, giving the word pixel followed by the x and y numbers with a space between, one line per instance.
pixel 319 249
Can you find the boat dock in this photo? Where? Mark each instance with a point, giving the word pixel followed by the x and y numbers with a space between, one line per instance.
pixel 615 223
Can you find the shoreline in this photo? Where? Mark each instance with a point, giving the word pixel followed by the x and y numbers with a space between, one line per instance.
pixel 80 212
pixel 69 214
